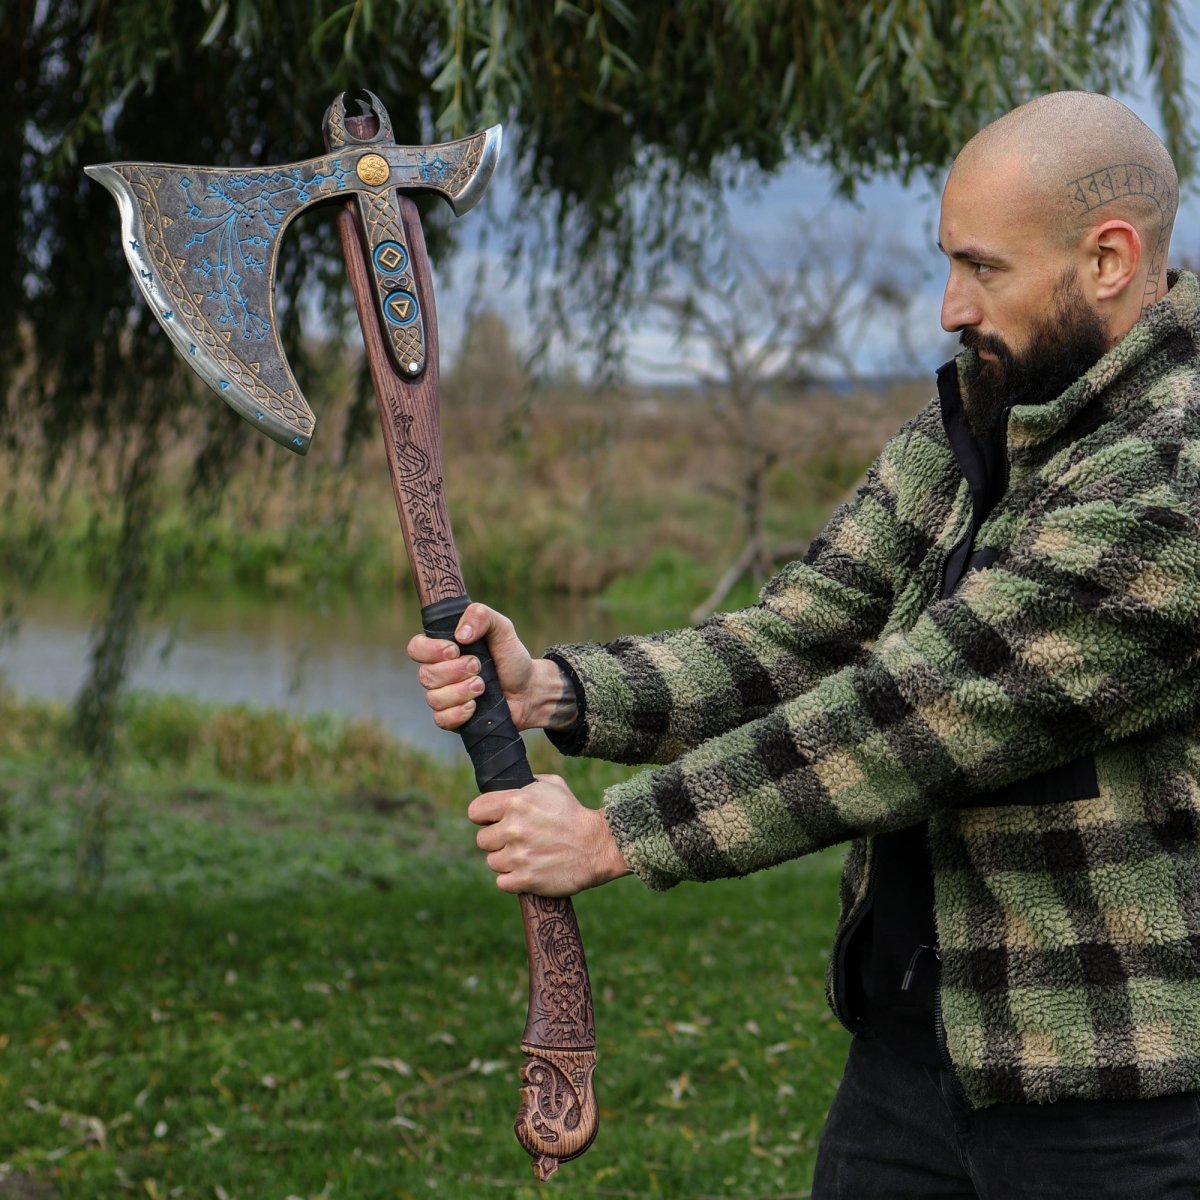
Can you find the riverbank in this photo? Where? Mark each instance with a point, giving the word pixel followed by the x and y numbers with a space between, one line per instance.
pixel 310 987
pixel 628 498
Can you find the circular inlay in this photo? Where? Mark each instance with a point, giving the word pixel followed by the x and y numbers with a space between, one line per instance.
pixel 373 169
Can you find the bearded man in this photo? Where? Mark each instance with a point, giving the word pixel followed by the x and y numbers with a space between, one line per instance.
pixel 984 676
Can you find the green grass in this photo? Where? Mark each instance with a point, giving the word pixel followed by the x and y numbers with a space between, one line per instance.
pixel 314 990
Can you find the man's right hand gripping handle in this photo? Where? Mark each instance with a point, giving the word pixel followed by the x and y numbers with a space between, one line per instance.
pixel 538 696
pixel 489 734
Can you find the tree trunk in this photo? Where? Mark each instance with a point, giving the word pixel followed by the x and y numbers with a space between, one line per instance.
pixel 94 724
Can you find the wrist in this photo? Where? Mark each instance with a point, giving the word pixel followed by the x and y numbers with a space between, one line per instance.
pixel 552 704
pixel 610 863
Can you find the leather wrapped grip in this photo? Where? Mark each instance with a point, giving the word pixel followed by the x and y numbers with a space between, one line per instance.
pixel 496 749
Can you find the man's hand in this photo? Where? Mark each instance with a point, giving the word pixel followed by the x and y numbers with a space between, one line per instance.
pixel 536 692
pixel 540 839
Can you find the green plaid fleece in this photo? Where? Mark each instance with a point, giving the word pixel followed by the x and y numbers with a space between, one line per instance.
pixel 852 701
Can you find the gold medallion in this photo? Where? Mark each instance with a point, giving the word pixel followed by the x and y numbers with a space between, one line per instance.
pixel 373 169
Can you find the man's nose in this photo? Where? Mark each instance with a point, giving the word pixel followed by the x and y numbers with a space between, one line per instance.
pixel 958 310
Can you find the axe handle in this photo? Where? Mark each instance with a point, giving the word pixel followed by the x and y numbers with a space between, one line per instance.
pixel 558 1115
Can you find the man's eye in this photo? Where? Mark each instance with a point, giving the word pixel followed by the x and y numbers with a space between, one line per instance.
pixel 981 268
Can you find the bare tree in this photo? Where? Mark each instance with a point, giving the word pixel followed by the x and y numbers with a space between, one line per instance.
pixel 747 330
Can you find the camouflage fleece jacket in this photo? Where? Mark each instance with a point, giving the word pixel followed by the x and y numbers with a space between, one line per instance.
pixel 852 701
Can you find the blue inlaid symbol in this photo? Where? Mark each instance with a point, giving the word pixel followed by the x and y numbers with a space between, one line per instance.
pixel 260 415
pixel 432 169
pixel 135 244
pixel 169 315
pixel 390 258
pixel 297 441
pixel 401 308
pixel 192 349
pixel 224 385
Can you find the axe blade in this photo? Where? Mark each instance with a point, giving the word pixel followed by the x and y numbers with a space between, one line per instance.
pixel 203 246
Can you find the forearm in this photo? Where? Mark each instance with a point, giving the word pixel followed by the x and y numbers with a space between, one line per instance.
pixel 651 699
pixel 1027 667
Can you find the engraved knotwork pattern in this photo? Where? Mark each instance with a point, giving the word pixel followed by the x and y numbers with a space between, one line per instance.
pixel 560 1012
pixel 335 125
pixel 468 166
pixel 424 502
pixel 381 218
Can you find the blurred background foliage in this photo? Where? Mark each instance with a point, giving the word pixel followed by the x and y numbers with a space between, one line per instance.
pixel 629 122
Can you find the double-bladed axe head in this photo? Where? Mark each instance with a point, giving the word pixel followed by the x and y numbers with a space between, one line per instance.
pixel 203 245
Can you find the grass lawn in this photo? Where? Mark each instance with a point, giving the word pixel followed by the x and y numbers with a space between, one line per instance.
pixel 297 991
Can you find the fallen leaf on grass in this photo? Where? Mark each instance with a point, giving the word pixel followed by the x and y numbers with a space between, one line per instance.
pixel 391 1064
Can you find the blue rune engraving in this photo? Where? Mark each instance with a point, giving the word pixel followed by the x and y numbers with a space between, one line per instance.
pixel 224 385
pixel 237 218
pixel 432 169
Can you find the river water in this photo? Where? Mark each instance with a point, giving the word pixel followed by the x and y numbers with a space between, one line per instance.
pixel 346 659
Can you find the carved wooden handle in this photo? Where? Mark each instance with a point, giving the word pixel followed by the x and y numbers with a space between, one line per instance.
pixel 558 1116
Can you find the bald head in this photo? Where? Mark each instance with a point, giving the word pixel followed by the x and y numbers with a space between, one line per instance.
pixel 1076 159
pixel 1055 220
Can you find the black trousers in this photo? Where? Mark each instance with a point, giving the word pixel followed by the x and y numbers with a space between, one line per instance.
pixel 900 1130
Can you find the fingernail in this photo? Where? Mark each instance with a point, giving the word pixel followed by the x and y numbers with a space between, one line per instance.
pixel 465 633
pixel 477 686
pixel 473 666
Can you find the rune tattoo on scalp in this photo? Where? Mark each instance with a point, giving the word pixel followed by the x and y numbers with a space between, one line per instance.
pixel 1124 180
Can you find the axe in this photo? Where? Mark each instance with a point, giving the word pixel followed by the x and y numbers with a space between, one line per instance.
pixel 203 243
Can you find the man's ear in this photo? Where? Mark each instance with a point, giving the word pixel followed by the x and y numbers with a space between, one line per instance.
pixel 1116 255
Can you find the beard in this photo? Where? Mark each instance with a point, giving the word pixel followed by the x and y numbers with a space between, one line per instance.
pixel 1062 346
